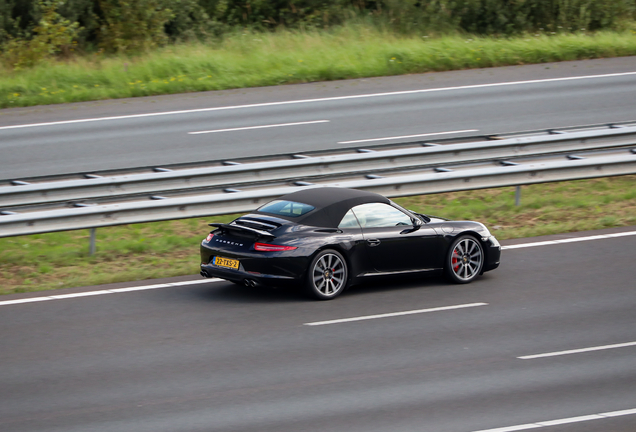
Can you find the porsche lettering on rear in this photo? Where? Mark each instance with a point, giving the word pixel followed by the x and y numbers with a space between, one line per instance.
pixel 228 242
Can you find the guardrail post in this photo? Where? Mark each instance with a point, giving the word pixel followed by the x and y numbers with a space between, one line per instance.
pixel 91 249
pixel 517 195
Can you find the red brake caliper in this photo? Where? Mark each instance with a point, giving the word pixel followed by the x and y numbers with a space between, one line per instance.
pixel 455 261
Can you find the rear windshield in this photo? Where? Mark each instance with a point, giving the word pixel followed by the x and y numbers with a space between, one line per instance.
pixel 286 208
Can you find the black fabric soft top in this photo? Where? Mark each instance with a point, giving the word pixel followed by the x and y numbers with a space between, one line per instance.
pixel 331 204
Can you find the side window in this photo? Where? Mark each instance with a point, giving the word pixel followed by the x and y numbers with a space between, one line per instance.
pixel 349 221
pixel 379 215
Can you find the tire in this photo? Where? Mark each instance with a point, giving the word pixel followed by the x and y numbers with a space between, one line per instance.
pixel 465 259
pixel 327 276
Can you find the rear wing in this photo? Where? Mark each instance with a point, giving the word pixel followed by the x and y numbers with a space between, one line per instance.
pixel 241 229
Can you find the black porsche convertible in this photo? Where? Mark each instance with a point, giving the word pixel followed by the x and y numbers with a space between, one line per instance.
pixel 325 239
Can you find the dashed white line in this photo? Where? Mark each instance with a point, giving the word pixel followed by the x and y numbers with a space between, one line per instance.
pixel 569 240
pixel 102 292
pixel 576 351
pixel 303 101
pixel 394 314
pixel 259 127
pixel 562 421
pixel 407 136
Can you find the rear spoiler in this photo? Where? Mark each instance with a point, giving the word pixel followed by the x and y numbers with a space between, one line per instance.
pixel 242 229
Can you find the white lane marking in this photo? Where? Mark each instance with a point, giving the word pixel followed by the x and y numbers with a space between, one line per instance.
pixel 407 136
pixel 570 420
pixel 393 314
pixel 81 294
pixel 26 300
pixel 620 413
pixel 258 127
pixel 569 240
pixel 335 98
pixel 562 421
pixel 513 428
pixel 140 288
pixel 576 351
pixel 101 292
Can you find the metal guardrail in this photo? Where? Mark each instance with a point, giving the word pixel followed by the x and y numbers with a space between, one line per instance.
pixel 574 167
pixel 309 168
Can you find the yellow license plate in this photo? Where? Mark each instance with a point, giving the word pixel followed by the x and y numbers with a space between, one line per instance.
pixel 226 262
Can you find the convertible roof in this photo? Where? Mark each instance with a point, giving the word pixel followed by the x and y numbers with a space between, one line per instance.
pixel 331 204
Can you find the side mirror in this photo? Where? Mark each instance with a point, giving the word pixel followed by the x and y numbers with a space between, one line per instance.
pixel 416 226
pixel 423 216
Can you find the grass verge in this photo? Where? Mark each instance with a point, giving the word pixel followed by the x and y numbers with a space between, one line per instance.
pixel 165 249
pixel 255 59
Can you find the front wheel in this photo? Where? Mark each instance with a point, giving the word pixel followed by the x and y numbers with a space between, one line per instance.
pixel 465 259
pixel 327 276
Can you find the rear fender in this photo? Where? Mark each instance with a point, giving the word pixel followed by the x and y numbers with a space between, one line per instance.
pixel 338 248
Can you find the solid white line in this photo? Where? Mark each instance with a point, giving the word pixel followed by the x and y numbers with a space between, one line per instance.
pixel 393 314
pixel 576 351
pixel 113 291
pixel 408 136
pixel 336 98
pixel 25 300
pixel 569 240
pixel 81 294
pixel 259 127
pixel 139 288
pixel 195 282
pixel 513 428
pixel 620 413
pixel 571 420
pixel 562 421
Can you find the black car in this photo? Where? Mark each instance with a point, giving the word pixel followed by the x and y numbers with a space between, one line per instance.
pixel 325 239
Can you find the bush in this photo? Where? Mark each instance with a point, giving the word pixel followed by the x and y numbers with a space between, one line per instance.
pixel 53 36
pixel 132 27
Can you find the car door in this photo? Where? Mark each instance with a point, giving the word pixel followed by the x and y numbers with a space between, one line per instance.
pixel 355 245
pixel 392 241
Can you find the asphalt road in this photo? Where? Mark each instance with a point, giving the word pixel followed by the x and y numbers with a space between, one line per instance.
pixel 216 357
pixel 95 136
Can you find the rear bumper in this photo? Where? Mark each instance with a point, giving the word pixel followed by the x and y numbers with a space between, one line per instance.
pixel 275 269
pixel 247 278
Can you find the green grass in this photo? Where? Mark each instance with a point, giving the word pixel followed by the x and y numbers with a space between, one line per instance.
pixel 266 59
pixel 165 249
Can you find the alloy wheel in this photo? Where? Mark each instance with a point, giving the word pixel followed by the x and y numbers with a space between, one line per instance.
pixel 467 259
pixel 329 274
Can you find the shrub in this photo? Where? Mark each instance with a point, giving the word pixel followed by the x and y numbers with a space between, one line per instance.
pixel 132 27
pixel 53 36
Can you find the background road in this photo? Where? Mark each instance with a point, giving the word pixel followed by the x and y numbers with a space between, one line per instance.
pixel 216 357
pixel 157 130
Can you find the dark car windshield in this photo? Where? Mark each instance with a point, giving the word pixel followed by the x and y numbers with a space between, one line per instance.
pixel 286 208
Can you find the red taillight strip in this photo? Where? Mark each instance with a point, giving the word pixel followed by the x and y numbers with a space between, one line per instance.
pixel 209 237
pixel 264 247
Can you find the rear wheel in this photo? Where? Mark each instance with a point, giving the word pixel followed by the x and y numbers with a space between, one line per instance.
pixel 327 276
pixel 465 259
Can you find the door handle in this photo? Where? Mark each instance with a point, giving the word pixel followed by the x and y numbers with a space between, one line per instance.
pixel 373 242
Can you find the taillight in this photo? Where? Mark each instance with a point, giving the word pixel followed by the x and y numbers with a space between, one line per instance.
pixel 209 237
pixel 264 247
